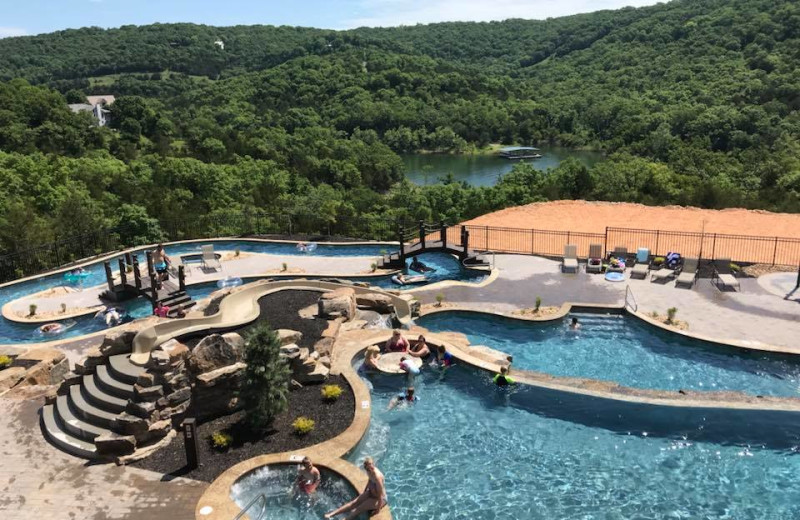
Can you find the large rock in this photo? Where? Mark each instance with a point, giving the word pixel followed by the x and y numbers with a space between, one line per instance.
pixel 10 377
pixel 117 342
pixel 33 356
pixel 341 302
pixel 318 374
pixel 115 444
pixel 129 424
pixel 380 303
pixel 148 393
pixel 324 346
pixel 215 351
pixel 221 376
pixel 88 364
pixel 288 336
pixel 176 350
pixel 158 362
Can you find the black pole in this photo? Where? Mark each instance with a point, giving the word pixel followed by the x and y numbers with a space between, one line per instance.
pixel 189 428
pixel 109 275
pixel 123 276
pixel 797 285
pixel 422 234
pixel 137 276
pixel 443 234
pixel 181 278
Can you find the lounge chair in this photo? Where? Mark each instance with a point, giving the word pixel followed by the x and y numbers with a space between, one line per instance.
pixel 688 273
pixel 723 273
pixel 210 260
pixel 595 262
pixel 664 273
pixel 620 252
pixel 570 264
pixel 640 270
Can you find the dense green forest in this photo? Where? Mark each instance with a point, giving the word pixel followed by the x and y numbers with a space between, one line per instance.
pixel 695 102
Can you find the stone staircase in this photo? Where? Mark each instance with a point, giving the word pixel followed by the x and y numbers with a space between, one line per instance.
pixel 89 407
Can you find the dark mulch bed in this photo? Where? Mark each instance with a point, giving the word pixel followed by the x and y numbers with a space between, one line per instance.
pixel 280 310
pixel 331 419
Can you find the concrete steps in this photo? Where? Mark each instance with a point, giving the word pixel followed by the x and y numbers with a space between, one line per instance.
pixel 88 409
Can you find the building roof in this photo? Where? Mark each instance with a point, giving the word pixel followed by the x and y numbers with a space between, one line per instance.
pixel 97 100
pixel 518 149
pixel 81 107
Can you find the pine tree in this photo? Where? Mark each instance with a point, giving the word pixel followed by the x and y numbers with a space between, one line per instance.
pixel 266 382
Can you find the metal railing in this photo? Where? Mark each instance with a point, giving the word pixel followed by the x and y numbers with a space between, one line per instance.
pixel 629 292
pixel 262 498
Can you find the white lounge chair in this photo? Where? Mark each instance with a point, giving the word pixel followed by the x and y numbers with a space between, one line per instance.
pixel 688 273
pixel 570 264
pixel 723 273
pixel 640 270
pixel 664 273
pixel 595 262
pixel 210 260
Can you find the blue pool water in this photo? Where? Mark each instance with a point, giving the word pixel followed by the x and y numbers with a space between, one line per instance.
pixel 468 450
pixel 621 349
pixel 445 266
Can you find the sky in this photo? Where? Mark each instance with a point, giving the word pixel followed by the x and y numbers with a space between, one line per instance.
pixel 24 17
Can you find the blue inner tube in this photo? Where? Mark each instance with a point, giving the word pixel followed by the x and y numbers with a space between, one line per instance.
pixel 615 277
pixel 231 281
pixel 76 277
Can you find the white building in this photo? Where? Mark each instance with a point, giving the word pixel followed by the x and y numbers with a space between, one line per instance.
pixel 220 44
pixel 97 106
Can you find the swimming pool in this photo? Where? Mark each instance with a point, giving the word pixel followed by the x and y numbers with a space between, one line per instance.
pixel 277 483
pixel 468 450
pixel 446 267
pixel 624 350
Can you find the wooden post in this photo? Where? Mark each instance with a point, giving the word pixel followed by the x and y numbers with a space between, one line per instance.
pixel 443 234
pixel 128 258
pixel 605 245
pixel 154 288
pixel 402 244
pixel 150 269
pixel 137 276
pixel 109 275
pixel 190 441
pixel 123 276
pixel 181 278
pixel 422 234
pixel 466 245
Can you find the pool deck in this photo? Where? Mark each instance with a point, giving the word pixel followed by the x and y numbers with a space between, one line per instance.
pixel 754 316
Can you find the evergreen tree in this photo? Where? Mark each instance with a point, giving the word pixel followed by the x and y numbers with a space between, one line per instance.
pixel 266 379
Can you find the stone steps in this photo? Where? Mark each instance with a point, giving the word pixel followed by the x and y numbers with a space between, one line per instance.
pixel 123 370
pixel 99 398
pixel 73 425
pixel 63 440
pixel 87 411
pixel 106 382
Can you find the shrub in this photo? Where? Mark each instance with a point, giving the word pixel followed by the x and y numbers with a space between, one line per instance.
pixel 5 362
pixel 237 252
pixel 303 425
pixel 284 266
pixel 32 309
pixel 63 308
pixel 19 273
pixel 266 378
pixel 221 441
pixel 374 266
pixel 439 299
pixel 331 392
pixel 659 260
pixel 671 312
pixel 538 303
pixel 735 267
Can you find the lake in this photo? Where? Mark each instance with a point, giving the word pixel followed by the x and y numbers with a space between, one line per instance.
pixel 484 170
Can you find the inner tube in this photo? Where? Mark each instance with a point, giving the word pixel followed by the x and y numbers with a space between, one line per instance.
pixel 55 328
pixel 397 281
pixel 76 277
pixel 308 247
pixel 416 279
pixel 231 281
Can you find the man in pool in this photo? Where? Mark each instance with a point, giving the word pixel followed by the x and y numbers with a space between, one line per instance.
pixel 161 263
pixel 574 325
pixel 409 398
pixel 503 379
pixel 308 476
pixel 371 500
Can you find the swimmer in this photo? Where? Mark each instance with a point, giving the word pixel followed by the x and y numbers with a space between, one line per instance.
pixel 371 500
pixel 112 317
pixel 371 357
pixel 161 310
pixel 443 358
pixel 51 328
pixel 77 271
pixel 407 397
pixel 420 349
pixel 574 325
pixel 503 379
pixel 308 476
pixel 161 262
pixel 397 343
pixel 418 266
pixel 399 279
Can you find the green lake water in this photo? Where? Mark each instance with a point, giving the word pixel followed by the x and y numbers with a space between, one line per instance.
pixel 484 170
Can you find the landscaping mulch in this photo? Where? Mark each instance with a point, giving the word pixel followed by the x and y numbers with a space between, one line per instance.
pixel 330 419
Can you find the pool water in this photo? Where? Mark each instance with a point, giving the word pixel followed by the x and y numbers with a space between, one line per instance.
pixel 468 450
pixel 283 503
pixel 446 267
pixel 626 351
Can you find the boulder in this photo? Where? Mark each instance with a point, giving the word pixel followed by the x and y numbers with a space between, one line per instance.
pixel 59 372
pixel 324 346
pixel 10 377
pixel 290 352
pixel 159 429
pixel 148 393
pixel 325 360
pixel 380 303
pixel 341 302
pixel 115 444
pixel 129 424
pixel 33 356
pixel 318 374
pixel 45 374
pixel 176 350
pixel 117 342
pixel 288 336
pixel 179 396
pixel 224 375
pixel 158 362
pixel 146 379
pixel 215 351
pixel 175 381
pixel 144 410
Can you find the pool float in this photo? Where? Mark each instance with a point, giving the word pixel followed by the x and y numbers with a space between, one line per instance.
pixel 410 280
pixel 76 277
pixel 419 267
pixel 55 328
pixel 615 277
pixel 231 281
pixel 309 247
pixel 112 316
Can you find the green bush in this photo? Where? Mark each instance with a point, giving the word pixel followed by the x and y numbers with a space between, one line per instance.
pixel 32 309
pixel 735 267
pixel 439 299
pixel 303 425
pixel 331 392
pixel 659 260
pixel 284 266
pixel 671 312
pixel 221 440
pixel 538 303
pixel 266 379
pixel 5 362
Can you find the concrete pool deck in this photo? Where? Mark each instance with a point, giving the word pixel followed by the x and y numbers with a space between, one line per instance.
pixel 752 316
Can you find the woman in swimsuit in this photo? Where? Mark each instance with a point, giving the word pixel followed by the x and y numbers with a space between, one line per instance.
pixel 420 349
pixel 397 343
pixel 371 500
pixel 371 357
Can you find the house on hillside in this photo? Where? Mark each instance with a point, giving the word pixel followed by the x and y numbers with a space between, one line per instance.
pixel 220 44
pixel 97 105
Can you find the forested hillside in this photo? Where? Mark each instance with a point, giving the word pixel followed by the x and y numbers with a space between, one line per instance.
pixel 695 102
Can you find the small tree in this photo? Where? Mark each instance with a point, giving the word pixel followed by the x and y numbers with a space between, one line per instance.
pixel 538 303
pixel 266 378
pixel 284 266
pixel 439 299
pixel 32 309
pixel 671 312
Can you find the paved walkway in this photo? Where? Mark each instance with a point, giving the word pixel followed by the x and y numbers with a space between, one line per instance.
pixel 39 482
pixel 754 314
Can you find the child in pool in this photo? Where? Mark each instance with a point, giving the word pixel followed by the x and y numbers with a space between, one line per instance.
pixel 308 476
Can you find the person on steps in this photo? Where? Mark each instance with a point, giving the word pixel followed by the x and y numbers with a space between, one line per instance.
pixel 371 500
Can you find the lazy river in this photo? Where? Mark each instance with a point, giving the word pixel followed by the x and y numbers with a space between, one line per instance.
pixel 626 351
pixel 468 450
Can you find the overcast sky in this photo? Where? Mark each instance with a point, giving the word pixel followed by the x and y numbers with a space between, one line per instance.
pixel 22 17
